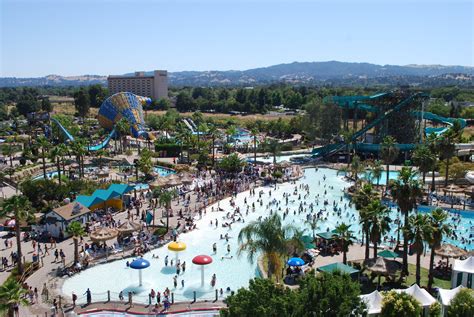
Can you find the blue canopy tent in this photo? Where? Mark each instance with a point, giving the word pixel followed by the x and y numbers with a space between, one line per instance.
pixel 121 189
pixel 89 201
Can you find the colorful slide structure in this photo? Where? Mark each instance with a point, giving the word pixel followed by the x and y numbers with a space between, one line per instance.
pixel 361 103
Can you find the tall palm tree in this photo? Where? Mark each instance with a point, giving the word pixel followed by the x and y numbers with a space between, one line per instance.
pixel 18 208
pixel 274 148
pixel 376 170
pixel 268 236
pixel 345 237
pixel 55 155
pixel 76 230
pixel 214 133
pixel 230 133
pixel 439 228
pixel 45 145
pixel 122 127
pixel 380 220
pixel 347 136
pixel 100 154
pixel 313 223
pixel 295 242
pixel 447 148
pixel 356 168
pixel 165 199
pixel 78 148
pixel 405 192
pixel 12 295
pixel 419 228
pixel 254 134
pixel 432 142
pixel 424 159
pixel 362 198
pixel 389 153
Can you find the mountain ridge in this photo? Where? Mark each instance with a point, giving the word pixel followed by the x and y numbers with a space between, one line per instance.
pixel 328 72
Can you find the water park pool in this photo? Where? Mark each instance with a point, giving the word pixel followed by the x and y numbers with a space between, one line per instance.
pixel 392 175
pixel 279 158
pixel 203 313
pixel 49 175
pixel 231 270
pixel 163 171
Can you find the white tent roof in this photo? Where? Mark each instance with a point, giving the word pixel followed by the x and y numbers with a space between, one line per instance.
pixel 446 295
pixel 466 265
pixel 373 302
pixel 420 294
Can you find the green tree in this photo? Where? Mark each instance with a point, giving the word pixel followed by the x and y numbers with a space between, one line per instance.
pixel 18 208
pixel 376 170
pixel 345 236
pixel 439 229
pixel 269 237
pixel 123 129
pixel 45 145
pixel 379 220
pixel 313 223
pixel 12 295
pixel 76 230
pixel 274 146
pixel 46 105
pixel 145 163
pixel 400 304
pixel 56 154
pixel 356 168
pixel 165 199
pixel 462 304
pixel 231 163
pixel 254 134
pixel 362 198
pixel 389 153
pixel 446 146
pixel 424 159
pixel 419 229
pixel 82 102
pixel 405 192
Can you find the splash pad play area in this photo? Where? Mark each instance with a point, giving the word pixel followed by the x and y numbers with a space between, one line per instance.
pixel 233 271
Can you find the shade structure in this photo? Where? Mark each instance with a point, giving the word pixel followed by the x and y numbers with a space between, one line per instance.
pixel 463 271
pixel 382 266
pixel 186 178
pixel 202 260
pixel 120 188
pixel 159 182
pixel 105 194
pixel 174 180
pixel 388 254
pixel 373 302
pixel 89 201
pixel 128 227
pixel 419 294
pixel 139 264
pixel 295 262
pixel 103 234
pixel 448 250
pixel 446 295
pixel 338 267
pixel 330 235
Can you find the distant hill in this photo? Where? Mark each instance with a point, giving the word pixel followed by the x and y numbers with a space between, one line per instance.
pixel 326 73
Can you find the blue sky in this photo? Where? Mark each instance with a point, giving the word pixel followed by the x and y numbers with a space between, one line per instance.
pixel 72 37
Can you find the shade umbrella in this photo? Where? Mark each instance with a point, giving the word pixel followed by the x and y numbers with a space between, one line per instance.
pixel 448 250
pixel 139 264
pixel 186 178
pixel 388 254
pixel 174 182
pixel 202 260
pixel 103 234
pixel 177 247
pixel 295 262
pixel 128 227
pixel 382 266
pixel 159 182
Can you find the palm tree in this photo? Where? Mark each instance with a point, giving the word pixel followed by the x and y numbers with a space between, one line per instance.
pixel 405 192
pixel 214 133
pixel 346 237
pixel 18 208
pixel 45 145
pixel 424 159
pixel 122 127
pixel 165 199
pixel 313 223
pixel 274 148
pixel 347 136
pixel 12 294
pixel 230 133
pixel 378 214
pixel 362 198
pixel 356 168
pixel 295 242
pixel 389 153
pixel 439 228
pixel 376 170
pixel 78 148
pixel 55 155
pixel 76 230
pixel 447 146
pixel 432 142
pixel 419 228
pixel 254 134
pixel 268 236
pixel 100 154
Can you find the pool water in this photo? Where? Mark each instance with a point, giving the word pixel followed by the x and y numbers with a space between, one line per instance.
pixel 49 175
pixel 279 158
pixel 392 175
pixel 230 269
pixel 163 171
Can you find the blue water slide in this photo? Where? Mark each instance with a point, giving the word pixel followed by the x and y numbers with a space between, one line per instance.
pixel 63 130
pixel 102 144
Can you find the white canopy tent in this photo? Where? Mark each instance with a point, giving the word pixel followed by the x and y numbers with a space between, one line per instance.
pixel 373 302
pixel 446 295
pixel 419 294
pixel 463 273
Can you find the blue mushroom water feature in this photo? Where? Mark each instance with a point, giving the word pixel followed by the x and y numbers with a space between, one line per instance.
pixel 295 262
pixel 139 264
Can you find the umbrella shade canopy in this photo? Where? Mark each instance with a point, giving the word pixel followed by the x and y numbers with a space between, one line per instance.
pixel 174 182
pixel 186 178
pixel 338 267
pixel 295 262
pixel 103 234
pixel 388 254
pixel 419 294
pixel 330 235
pixel 450 251
pixel 202 260
pixel 466 265
pixel 177 246
pixel 159 182
pixel 128 227
pixel 139 264
pixel 383 266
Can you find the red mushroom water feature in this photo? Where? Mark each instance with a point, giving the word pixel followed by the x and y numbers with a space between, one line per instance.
pixel 202 260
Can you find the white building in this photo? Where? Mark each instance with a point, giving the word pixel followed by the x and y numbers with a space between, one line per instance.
pixel 154 86
pixel 463 273
pixel 57 220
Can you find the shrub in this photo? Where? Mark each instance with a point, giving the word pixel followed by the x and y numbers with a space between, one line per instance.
pixel 160 231
pixel 462 304
pixel 400 304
